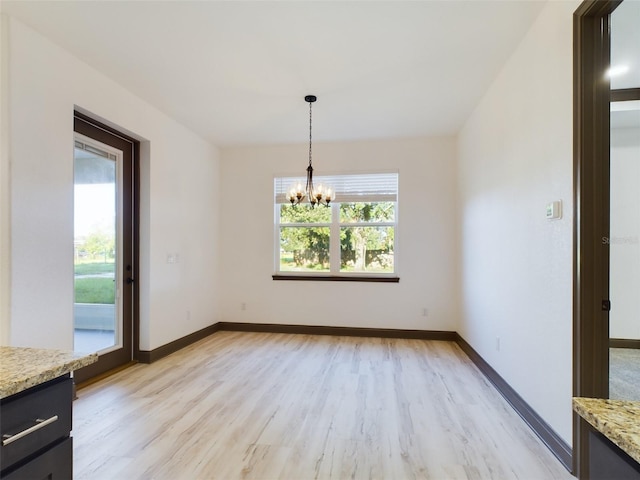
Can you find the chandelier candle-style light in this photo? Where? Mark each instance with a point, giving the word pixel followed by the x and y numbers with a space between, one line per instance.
pixel 317 195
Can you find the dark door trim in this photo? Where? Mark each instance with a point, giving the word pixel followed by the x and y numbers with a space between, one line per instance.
pixel 591 93
pixel 104 133
pixel 625 94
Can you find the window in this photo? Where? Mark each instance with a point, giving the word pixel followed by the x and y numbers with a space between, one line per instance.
pixel 354 238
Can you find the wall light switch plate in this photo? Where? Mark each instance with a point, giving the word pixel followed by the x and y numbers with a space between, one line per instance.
pixel 554 210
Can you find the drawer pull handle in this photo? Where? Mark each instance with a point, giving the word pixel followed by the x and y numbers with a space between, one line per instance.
pixel 40 423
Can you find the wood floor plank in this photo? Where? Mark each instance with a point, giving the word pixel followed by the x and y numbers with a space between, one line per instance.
pixel 278 406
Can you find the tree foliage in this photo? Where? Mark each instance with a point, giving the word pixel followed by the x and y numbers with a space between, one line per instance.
pixel 99 244
pixel 364 248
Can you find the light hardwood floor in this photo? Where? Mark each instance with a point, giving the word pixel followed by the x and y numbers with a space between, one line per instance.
pixel 278 406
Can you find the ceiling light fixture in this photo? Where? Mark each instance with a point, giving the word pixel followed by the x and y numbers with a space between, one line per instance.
pixel 317 195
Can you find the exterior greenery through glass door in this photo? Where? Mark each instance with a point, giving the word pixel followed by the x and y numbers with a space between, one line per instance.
pixel 355 235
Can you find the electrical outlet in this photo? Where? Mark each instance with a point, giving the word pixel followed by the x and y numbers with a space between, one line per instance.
pixel 425 311
pixel 243 306
pixel 497 344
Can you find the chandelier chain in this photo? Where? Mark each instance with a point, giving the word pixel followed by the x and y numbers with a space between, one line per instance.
pixel 320 196
pixel 310 103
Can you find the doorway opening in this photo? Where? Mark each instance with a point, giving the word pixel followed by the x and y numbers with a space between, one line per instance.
pixel 624 240
pixel 593 255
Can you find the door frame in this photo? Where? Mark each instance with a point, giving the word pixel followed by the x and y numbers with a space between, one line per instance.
pixel 90 373
pixel 591 97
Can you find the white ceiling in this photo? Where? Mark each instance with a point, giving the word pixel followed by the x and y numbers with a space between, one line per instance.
pixel 236 72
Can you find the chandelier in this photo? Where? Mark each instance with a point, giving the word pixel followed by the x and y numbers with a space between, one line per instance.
pixel 319 195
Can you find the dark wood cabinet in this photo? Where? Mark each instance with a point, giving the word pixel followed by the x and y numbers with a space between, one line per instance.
pixel 36 426
pixel 608 462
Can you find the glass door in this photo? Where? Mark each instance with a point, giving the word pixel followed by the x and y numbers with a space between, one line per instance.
pixel 97 246
pixel 104 246
pixel 624 214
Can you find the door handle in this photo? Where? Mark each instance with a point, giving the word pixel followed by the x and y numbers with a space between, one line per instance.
pixel 40 423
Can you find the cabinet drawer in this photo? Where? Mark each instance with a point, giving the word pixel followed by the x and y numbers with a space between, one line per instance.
pixel 33 419
pixel 54 464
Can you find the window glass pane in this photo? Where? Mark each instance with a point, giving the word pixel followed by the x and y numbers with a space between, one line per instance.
pixel 366 249
pixel 304 249
pixel 303 213
pixel 95 213
pixel 367 212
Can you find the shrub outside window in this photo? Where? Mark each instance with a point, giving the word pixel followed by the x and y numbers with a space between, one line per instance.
pixel 354 236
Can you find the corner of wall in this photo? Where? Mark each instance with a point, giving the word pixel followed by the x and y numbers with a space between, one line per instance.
pixel 457 211
pixel 513 157
pixel 144 341
pixel 5 186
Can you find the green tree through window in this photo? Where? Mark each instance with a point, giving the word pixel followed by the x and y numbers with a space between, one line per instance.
pixel 367 248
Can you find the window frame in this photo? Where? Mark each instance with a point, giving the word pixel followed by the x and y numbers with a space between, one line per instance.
pixel 335 226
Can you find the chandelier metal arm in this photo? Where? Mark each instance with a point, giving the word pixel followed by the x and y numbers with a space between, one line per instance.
pixel 310 188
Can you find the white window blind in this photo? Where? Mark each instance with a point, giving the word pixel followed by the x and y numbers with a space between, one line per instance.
pixel 361 187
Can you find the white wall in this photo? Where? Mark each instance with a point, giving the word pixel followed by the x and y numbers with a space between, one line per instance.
pixel 5 198
pixel 180 198
pixel 624 241
pixel 427 238
pixel 515 156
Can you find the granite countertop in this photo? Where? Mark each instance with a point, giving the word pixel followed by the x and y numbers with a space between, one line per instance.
pixel 22 368
pixel 615 419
